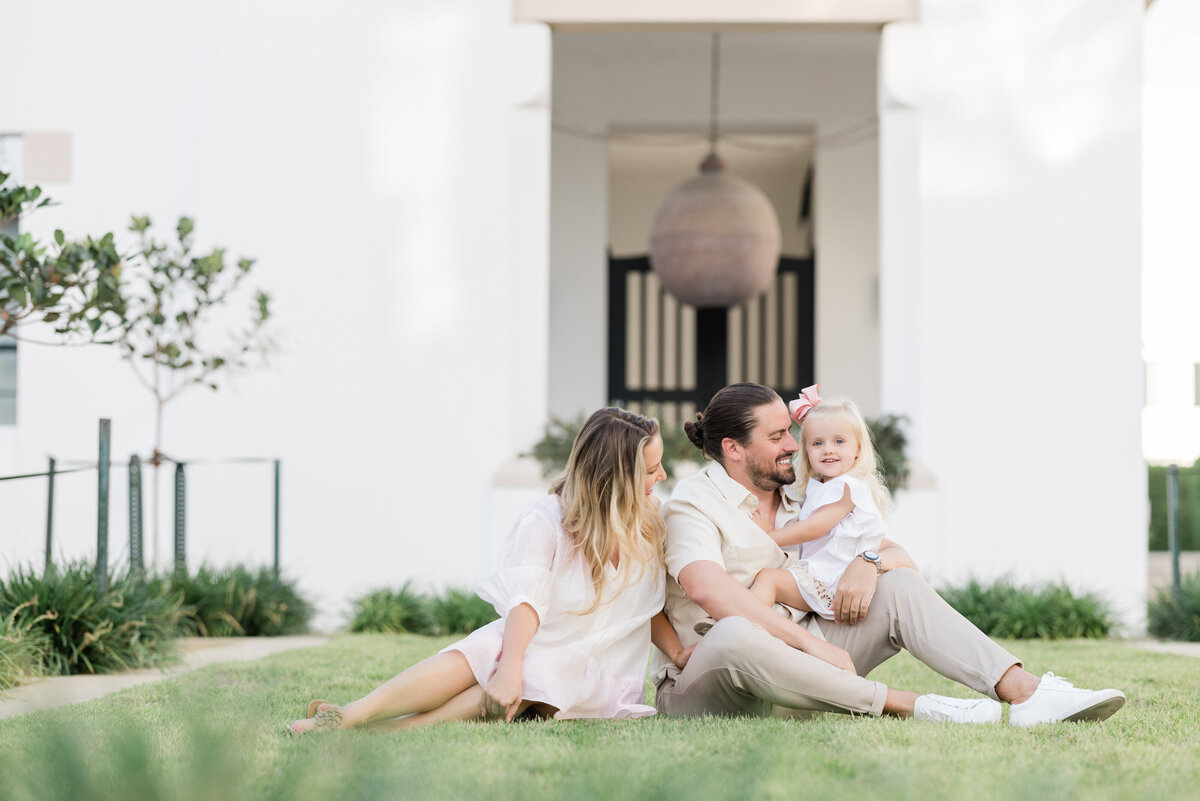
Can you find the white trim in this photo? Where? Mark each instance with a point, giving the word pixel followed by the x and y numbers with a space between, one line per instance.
pixel 714 14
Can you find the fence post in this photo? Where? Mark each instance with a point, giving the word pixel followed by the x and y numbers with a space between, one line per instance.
pixel 1173 521
pixel 102 508
pixel 136 560
pixel 50 512
pixel 277 524
pixel 180 520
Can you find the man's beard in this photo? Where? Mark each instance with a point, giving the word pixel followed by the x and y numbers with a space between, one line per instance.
pixel 769 475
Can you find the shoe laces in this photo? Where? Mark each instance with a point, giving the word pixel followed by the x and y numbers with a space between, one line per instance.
pixel 1056 682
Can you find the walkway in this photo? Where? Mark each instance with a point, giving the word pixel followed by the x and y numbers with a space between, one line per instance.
pixel 59 691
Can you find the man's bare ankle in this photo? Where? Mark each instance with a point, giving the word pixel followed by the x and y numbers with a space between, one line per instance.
pixel 1016 685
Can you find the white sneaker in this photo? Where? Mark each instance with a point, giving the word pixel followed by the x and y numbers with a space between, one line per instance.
pixel 1056 699
pixel 940 709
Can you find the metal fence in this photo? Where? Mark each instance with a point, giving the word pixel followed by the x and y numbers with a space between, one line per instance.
pixel 103 467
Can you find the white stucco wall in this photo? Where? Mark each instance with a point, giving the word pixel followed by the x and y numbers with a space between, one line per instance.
pixel 1026 396
pixel 800 83
pixel 387 165
pixel 1171 269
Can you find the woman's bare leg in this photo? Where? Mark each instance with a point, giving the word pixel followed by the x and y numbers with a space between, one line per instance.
pixel 467 705
pixel 424 687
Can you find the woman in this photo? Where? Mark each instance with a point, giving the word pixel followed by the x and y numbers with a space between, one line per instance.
pixel 581 577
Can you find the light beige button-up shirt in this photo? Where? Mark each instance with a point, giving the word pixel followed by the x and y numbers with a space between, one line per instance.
pixel 709 518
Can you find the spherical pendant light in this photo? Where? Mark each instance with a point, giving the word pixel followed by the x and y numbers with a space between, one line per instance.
pixel 715 239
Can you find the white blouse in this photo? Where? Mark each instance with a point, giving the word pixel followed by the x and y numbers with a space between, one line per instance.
pixel 586 666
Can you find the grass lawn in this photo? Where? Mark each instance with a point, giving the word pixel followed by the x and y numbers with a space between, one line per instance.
pixel 215 733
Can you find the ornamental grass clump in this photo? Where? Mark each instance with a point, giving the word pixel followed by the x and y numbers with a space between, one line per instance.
pixel 133 625
pixel 1174 614
pixel 392 611
pixel 22 646
pixel 461 612
pixel 240 602
pixel 1046 612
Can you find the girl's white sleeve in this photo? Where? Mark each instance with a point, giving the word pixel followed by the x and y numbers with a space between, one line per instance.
pixel 865 509
pixel 524 575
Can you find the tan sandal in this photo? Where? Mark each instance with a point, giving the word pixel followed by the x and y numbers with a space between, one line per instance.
pixel 313 706
pixel 328 719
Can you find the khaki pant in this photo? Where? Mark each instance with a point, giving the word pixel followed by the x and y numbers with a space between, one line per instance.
pixel 740 669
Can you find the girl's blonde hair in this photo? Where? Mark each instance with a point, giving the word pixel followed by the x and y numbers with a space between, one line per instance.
pixel 866 466
pixel 603 497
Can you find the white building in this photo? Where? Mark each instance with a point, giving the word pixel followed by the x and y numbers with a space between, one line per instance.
pixel 433 192
pixel 1171 278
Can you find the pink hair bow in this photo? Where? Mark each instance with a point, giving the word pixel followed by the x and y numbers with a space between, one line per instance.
pixel 805 403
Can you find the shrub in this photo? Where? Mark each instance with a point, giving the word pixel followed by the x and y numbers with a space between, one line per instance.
pixel 553 449
pixel 890 442
pixel 405 610
pixel 238 602
pixel 1048 612
pixel 1175 614
pixel 21 648
pixel 390 611
pixel 460 611
pixel 134 625
pixel 887 433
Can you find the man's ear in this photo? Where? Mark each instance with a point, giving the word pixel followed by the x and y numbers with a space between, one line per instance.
pixel 731 449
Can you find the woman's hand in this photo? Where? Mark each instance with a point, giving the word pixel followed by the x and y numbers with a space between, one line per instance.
pixel 502 695
pixel 682 656
pixel 854 591
pixel 827 652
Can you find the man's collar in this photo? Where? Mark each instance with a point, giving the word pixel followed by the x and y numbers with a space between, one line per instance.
pixel 736 494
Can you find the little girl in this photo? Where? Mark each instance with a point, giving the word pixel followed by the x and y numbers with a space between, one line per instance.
pixel 842 516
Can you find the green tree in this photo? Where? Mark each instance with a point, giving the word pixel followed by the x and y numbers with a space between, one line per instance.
pixel 71 285
pixel 175 331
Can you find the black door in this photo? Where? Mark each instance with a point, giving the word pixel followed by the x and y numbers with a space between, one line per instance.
pixel 672 357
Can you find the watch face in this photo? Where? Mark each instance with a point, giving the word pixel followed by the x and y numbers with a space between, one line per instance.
pixel 870 556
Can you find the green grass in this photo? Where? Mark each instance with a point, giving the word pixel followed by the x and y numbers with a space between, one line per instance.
pixel 215 733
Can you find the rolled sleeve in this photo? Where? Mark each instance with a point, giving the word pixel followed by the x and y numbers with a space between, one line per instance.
pixel 691 536
pixel 524 575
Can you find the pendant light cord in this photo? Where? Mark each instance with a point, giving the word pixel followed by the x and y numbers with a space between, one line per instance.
pixel 715 80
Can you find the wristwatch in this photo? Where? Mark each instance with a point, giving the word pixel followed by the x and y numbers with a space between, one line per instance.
pixel 874 559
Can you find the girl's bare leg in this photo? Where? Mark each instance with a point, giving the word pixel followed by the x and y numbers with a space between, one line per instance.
pixel 772 585
pixel 424 687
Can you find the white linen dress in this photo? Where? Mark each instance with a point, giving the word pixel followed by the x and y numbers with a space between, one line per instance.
pixel 586 666
pixel 823 560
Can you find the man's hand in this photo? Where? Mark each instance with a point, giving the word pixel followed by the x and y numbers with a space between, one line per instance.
pixel 827 652
pixel 502 695
pixel 854 591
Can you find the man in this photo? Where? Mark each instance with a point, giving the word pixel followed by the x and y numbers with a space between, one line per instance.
pixel 754 659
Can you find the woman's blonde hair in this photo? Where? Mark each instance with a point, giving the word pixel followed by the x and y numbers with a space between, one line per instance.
pixel 603 497
pixel 866 466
